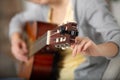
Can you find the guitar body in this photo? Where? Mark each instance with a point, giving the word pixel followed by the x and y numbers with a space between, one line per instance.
pixel 43 65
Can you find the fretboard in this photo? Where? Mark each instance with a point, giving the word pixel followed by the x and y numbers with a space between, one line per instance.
pixel 39 43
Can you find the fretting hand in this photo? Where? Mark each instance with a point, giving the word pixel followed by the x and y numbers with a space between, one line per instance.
pixel 19 48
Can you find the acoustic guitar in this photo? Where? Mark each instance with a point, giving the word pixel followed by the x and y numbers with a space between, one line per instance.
pixel 46 40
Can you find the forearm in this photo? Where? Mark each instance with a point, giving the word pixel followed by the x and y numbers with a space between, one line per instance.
pixel 109 49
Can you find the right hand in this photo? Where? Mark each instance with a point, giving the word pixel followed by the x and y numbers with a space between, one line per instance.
pixel 19 48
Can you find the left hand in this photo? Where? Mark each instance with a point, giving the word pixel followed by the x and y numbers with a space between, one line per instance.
pixel 85 46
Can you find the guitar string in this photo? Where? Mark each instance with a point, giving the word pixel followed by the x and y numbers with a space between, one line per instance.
pixel 36 42
pixel 36 46
pixel 34 50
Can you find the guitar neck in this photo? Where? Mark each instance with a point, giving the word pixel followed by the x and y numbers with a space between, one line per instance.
pixel 40 43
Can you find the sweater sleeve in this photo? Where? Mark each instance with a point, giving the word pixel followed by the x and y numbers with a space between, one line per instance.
pixel 31 13
pixel 99 17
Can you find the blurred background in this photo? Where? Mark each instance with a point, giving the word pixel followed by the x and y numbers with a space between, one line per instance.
pixel 8 8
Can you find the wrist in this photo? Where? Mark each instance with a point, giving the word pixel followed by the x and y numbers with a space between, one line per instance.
pixel 100 48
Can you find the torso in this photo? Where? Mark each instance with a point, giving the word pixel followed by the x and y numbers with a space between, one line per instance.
pixel 57 15
pixel 67 64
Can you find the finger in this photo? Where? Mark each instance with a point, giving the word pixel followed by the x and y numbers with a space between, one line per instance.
pixel 80 46
pixel 84 53
pixel 72 46
pixel 74 52
pixel 19 56
pixel 77 48
pixel 17 49
pixel 78 39
pixel 24 47
pixel 87 45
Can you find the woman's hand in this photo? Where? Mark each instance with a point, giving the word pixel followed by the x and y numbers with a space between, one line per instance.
pixel 85 46
pixel 19 48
